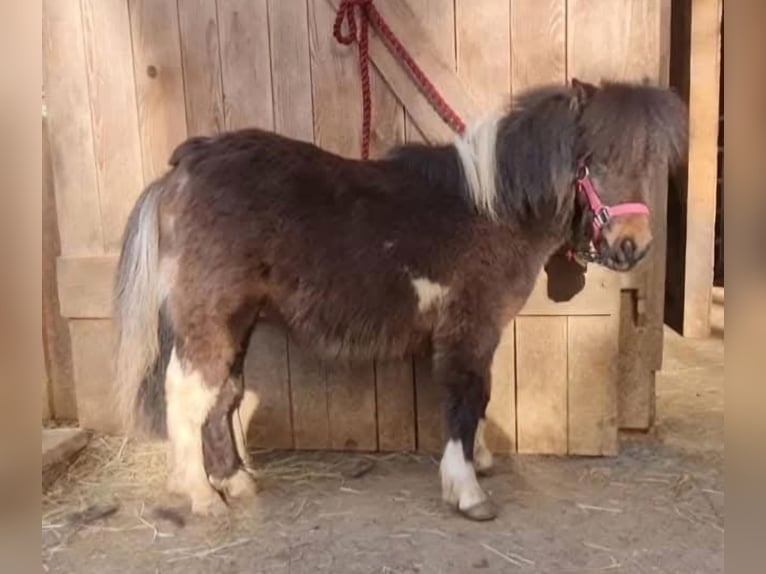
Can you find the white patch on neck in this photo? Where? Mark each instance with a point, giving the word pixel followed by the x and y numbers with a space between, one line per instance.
pixel 459 484
pixel 428 293
pixel 476 149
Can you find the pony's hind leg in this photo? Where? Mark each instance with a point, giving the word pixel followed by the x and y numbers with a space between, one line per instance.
pixel 482 455
pixel 240 422
pixel 223 443
pixel 189 401
pixel 466 377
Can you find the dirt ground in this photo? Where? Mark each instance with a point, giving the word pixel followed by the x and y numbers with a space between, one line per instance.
pixel 658 507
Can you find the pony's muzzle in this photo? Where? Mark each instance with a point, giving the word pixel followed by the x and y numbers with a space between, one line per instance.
pixel 626 241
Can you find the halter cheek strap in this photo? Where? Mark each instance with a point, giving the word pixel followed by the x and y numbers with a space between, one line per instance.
pixel 602 214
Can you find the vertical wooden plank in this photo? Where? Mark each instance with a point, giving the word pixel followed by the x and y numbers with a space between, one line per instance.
pixel 538 43
pixel 438 18
pixel 246 63
pixel 71 135
pixel 201 57
pixel 635 393
pixel 113 104
pixel 291 69
pixel 395 399
pixel 92 344
pixel 500 431
pixel 483 28
pixel 351 407
pixel 159 82
pixel 309 399
pixel 704 69
pixel 429 397
pixel 592 360
pixel 57 347
pixel 628 40
pixel 541 384
pixel 335 83
pixel 266 373
pixel 387 128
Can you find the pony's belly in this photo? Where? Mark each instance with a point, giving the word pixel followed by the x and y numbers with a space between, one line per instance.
pixel 355 326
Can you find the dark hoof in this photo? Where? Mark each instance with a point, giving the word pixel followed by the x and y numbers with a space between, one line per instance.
pixel 480 512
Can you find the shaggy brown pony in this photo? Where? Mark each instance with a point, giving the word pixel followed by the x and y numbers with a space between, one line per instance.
pixel 432 246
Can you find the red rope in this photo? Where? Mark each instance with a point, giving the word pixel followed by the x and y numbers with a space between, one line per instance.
pixel 368 13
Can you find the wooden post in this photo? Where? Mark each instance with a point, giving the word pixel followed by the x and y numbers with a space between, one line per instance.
pixel 704 66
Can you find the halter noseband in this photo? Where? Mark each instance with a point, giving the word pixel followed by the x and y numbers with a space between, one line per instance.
pixel 602 214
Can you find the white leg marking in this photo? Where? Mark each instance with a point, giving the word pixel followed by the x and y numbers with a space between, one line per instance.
pixel 241 484
pixel 241 422
pixel 482 456
pixel 188 402
pixel 459 484
pixel 428 293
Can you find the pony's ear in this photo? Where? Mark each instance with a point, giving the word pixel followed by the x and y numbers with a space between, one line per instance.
pixel 583 92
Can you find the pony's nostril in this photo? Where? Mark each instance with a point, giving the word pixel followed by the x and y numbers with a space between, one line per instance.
pixel 628 248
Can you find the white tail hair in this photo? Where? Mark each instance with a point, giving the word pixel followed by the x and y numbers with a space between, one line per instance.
pixel 137 300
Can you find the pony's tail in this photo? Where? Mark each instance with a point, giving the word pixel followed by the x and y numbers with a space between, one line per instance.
pixel 144 333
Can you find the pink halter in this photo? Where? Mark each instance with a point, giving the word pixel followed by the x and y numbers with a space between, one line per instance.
pixel 603 213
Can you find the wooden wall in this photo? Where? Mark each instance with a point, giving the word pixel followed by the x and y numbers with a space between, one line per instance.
pixel 128 80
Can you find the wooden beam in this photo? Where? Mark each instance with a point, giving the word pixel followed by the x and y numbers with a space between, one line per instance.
pixel 704 79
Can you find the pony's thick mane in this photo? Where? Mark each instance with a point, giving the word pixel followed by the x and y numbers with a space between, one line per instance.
pixel 477 150
pixel 504 164
pixel 634 125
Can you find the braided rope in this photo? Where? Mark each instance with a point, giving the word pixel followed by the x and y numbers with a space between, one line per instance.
pixel 368 13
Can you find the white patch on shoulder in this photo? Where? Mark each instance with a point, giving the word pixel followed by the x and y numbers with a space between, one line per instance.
pixel 477 151
pixel 428 293
pixel 459 484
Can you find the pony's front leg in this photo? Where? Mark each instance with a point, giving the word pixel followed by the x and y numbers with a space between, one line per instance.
pixel 465 375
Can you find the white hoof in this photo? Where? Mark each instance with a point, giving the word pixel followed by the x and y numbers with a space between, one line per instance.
pixel 459 485
pixel 240 485
pixel 207 502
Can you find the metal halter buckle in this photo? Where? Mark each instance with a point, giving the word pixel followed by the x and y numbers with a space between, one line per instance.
pixel 602 216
